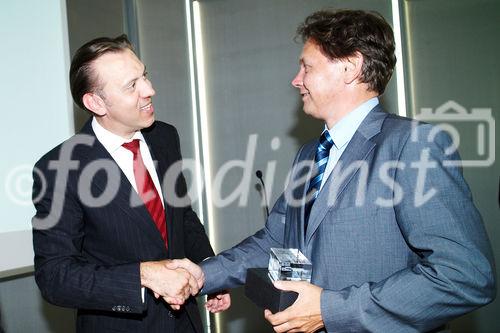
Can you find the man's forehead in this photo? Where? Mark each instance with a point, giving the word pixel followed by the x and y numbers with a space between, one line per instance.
pixel 308 49
pixel 118 66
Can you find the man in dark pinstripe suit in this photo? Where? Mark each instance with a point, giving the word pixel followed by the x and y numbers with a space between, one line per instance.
pixel 96 245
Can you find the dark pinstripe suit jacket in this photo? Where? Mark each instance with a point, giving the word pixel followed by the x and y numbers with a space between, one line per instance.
pixel 91 231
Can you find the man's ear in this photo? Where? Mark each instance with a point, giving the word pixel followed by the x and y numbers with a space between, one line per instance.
pixel 95 103
pixel 353 66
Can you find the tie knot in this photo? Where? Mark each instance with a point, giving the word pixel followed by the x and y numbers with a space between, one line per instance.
pixel 325 141
pixel 133 146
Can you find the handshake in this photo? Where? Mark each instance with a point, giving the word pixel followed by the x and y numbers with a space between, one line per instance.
pixel 178 279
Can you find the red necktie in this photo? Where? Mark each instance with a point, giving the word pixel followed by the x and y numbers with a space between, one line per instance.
pixel 147 190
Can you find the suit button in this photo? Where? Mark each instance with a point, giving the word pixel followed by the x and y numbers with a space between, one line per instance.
pixel 127 308
pixel 113 308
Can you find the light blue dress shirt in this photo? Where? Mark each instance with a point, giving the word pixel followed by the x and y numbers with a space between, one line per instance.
pixel 342 133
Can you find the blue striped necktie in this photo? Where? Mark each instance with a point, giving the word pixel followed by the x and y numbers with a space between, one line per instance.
pixel 320 159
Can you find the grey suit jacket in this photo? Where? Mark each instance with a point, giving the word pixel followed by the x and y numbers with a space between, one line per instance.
pixel 395 240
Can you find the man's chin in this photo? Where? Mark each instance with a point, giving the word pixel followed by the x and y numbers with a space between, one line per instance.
pixel 148 123
pixel 311 113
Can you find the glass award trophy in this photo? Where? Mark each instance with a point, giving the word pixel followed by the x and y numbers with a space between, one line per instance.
pixel 284 264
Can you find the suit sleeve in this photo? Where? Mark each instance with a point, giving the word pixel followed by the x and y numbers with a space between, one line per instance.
pixel 455 270
pixel 64 275
pixel 229 268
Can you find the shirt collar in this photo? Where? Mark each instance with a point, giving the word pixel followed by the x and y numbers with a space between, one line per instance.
pixel 342 132
pixel 109 140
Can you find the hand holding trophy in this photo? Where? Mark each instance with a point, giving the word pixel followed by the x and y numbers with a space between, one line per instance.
pixel 285 265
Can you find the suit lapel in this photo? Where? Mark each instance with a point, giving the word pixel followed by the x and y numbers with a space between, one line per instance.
pixel 295 236
pixel 346 168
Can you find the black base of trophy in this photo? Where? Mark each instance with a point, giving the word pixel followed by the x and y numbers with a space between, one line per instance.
pixel 260 289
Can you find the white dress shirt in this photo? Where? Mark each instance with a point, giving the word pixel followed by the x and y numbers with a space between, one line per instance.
pixel 124 157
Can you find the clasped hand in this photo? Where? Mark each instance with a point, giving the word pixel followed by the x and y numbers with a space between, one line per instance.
pixel 173 280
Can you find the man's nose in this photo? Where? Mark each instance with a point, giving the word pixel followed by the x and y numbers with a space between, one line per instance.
pixel 297 80
pixel 147 90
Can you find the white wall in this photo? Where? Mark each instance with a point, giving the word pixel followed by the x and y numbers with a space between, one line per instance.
pixel 36 112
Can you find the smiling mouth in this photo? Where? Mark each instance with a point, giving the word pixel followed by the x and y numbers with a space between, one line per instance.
pixel 147 107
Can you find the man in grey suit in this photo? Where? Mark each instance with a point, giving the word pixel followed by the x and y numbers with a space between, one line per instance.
pixel 378 204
